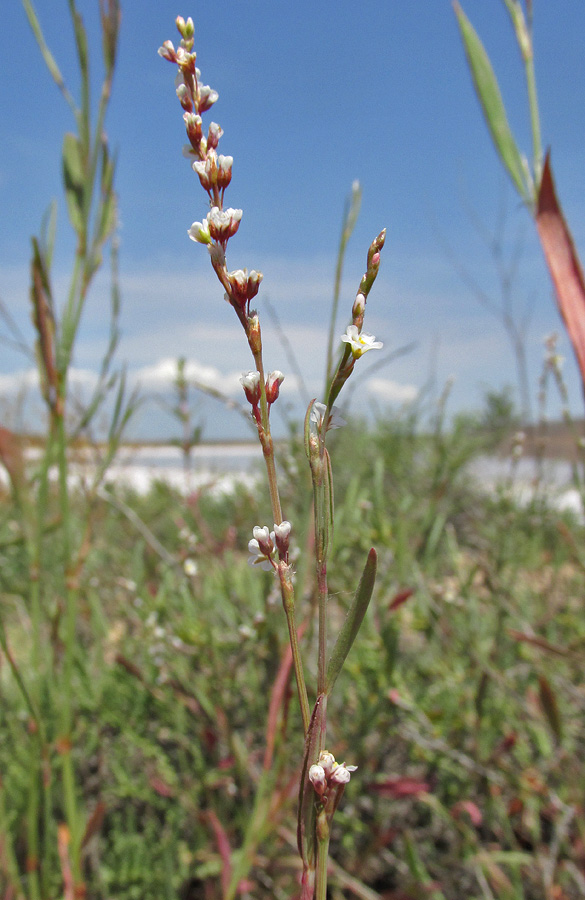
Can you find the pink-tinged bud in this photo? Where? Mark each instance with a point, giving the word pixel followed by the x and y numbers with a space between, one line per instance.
pixel 327 760
pixel 251 385
pixel 375 260
pixel 214 134
pixel 207 97
pixel 281 537
pixel 239 284
pixel 318 779
pixel 223 223
pixel 185 98
pixel 224 170
pixel 207 170
pixel 262 536
pixel 273 383
pixel 254 335
pixel 167 51
pixel 254 279
pixel 359 307
pixel 193 125
pixel 342 774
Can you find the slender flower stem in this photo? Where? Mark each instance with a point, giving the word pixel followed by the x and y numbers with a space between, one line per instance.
pixel 322 831
pixel 288 601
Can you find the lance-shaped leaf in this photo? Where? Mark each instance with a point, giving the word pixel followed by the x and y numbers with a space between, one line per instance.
pixel 353 621
pixel 490 97
pixel 314 743
pixel 73 178
pixel 563 263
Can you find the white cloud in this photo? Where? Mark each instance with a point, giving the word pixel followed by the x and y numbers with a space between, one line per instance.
pixel 391 391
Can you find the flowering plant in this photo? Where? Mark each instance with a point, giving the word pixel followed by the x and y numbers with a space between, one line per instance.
pixel 323 780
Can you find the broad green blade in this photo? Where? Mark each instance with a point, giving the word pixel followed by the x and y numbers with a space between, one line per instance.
pixel 488 91
pixel 353 621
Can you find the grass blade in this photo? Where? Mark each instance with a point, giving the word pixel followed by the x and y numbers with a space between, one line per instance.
pixel 488 92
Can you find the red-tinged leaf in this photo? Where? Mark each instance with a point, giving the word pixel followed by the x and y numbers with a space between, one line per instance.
pixel 400 787
pixel 472 810
pixel 536 641
pixel 563 264
pixel 160 787
pixel 94 823
pixel 223 846
pixel 400 598
pixel 550 708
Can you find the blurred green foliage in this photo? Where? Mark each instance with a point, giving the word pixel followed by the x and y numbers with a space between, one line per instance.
pixel 461 701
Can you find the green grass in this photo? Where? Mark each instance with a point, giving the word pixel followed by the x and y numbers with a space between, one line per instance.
pixel 173 678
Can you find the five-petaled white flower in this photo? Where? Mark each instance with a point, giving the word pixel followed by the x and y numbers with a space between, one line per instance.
pixel 360 343
pixel 336 420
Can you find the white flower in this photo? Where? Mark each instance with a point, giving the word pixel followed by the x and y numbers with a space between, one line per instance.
pixel 190 567
pixel 336 420
pixel 199 232
pixel 360 343
pixel 223 223
pixel 261 548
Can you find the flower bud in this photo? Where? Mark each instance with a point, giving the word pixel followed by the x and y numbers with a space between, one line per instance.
pixel 167 51
pixel 262 536
pixel 359 307
pixel 224 170
pixel 281 538
pixel 327 760
pixel 318 779
pixel 254 335
pixel 185 98
pixel 251 385
pixel 199 232
pixel 193 125
pixel 342 774
pixel 254 279
pixel 214 134
pixel 223 223
pixel 207 97
pixel 273 383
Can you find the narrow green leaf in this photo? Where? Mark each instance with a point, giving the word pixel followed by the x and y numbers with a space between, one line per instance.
pixel 488 92
pixel 353 621
pixel 47 55
pixel 73 180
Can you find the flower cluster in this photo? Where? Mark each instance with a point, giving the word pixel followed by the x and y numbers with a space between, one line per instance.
pixel 213 170
pixel 262 546
pixel 329 778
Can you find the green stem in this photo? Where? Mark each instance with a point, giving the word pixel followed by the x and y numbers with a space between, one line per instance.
pixel 322 855
pixel 288 601
pixel 534 120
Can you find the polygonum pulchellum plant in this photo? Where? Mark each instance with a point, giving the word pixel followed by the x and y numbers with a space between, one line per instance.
pixel 323 779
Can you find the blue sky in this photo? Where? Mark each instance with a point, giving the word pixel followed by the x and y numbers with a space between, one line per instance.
pixel 311 97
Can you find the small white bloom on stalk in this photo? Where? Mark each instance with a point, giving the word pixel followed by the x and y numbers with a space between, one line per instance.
pixel 336 420
pixel 213 135
pixel 273 383
pixel 360 343
pixel 207 170
pixel 223 223
pixel 318 779
pixel 341 774
pixel 251 384
pixel 207 97
pixel 280 536
pixel 199 232
pixel 185 98
pixel 194 131
pixel 224 170
pixel 261 548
